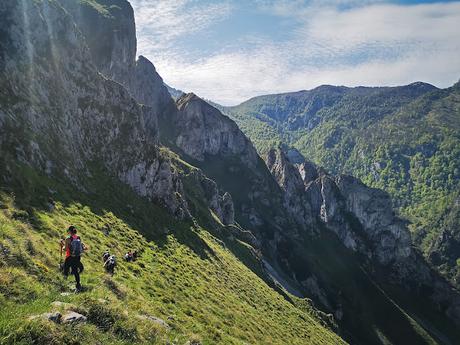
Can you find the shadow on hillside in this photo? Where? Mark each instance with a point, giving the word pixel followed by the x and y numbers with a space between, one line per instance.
pixel 103 195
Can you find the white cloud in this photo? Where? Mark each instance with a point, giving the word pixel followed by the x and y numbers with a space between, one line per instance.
pixel 160 22
pixel 369 44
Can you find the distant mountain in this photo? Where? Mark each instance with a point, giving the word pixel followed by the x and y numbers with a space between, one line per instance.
pixel 234 247
pixel 405 140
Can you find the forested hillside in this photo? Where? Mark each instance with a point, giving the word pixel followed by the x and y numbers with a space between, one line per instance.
pixel 404 140
pixel 231 248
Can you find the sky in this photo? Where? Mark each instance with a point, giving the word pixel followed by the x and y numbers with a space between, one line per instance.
pixel 231 50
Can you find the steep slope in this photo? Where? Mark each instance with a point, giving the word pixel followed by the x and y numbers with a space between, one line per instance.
pixel 76 148
pixel 404 140
pixel 445 250
pixel 181 269
pixel 363 221
pixel 297 233
pixel 219 255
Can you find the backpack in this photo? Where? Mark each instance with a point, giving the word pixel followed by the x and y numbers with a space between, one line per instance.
pixel 76 247
pixel 112 261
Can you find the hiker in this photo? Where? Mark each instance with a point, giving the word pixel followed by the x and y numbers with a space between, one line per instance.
pixel 105 256
pixel 110 264
pixel 73 250
pixel 129 256
pixel 135 255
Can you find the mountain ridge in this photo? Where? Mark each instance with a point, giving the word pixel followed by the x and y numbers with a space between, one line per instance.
pixel 396 148
pixel 180 178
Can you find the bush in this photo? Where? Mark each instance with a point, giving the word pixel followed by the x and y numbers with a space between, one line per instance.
pixel 126 330
pixel 101 316
pixel 31 332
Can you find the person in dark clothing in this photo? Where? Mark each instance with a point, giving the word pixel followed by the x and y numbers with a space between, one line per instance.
pixel 110 264
pixel 105 256
pixel 129 256
pixel 73 250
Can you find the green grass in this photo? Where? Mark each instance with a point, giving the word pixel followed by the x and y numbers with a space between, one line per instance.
pixel 188 277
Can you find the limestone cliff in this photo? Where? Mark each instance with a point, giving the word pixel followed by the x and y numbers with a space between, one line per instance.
pixel 364 221
pixel 200 130
pixel 54 97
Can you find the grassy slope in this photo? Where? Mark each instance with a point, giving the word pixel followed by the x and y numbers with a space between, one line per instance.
pixel 188 275
pixel 370 315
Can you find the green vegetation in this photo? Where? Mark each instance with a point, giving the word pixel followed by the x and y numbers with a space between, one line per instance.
pixel 185 275
pixel 100 8
pixel 405 140
pixel 369 314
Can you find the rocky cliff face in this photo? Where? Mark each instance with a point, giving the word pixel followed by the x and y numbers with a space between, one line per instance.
pixel 111 39
pixel 290 180
pixel 47 69
pixel 110 34
pixel 220 203
pixel 200 130
pixel 362 217
pixel 60 90
pixel 90 117
pixel 372 207
pixel 364 221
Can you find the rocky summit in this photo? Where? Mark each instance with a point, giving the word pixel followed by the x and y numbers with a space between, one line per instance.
pixel 234 244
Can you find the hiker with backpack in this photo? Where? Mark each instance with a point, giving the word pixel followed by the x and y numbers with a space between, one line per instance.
pixel 110 264
pixel 129 256
pixel 73 248
pixel 105 256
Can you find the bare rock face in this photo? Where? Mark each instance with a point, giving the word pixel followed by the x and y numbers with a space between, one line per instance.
pixel 203 130
pixel 110 34
pixel 327 203
pixel 160 182
pixel 112 43
pixel 362 217
pixel 54 90
pixel 364 221
pixel 290 180
pixel 220 203
pixel 373 208
pixel 149 88
pixel 308 171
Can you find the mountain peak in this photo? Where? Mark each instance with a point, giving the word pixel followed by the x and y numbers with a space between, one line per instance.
pixel 422 86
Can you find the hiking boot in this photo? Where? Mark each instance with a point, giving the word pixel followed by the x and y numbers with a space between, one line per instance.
pixel 78 288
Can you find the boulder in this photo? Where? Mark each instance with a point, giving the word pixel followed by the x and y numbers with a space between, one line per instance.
pixel 73 317
pixel 54 316
pixel 154 319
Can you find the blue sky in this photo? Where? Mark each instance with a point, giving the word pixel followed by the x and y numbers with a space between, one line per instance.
pixel 231 50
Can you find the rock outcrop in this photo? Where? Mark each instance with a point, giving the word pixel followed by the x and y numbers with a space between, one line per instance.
pixel 290 180
pixel 220 204
pixel 47 69
pixel 201 129
pixel 362 217
pixel 364 221
pixel 387 233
